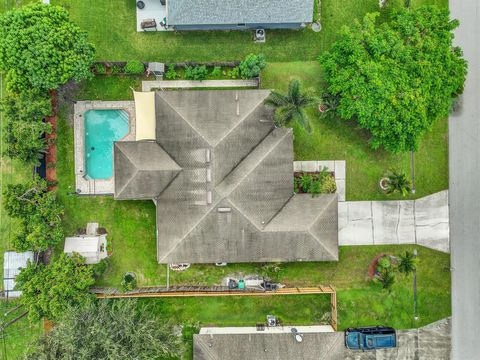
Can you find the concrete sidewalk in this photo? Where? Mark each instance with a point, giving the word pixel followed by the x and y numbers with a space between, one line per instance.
pixel 424 222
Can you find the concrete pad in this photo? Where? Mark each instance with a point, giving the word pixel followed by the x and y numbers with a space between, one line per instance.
pixel 340 169
pixel 340 189
pixel 297 166
pixel 355 223
pixel 309 166
pixel 393 222
pixel 329 164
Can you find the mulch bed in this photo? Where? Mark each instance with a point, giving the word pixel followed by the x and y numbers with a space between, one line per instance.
pixel 373 265
pixel 51 155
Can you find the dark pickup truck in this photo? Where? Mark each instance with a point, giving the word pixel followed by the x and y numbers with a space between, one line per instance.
pixel 370 338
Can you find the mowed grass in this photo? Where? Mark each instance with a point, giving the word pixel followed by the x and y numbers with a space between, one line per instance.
pixel 336 139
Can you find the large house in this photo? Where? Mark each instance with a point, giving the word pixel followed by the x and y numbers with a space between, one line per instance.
pixel 225 14
pixel 221 176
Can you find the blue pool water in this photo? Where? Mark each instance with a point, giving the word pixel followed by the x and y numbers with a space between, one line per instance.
pixel 102 128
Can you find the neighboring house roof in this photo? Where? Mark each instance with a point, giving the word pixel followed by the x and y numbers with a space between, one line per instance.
pixel 269 346
pixel 224 192
pixel 12 263
pixel 431 342
pixel 209 12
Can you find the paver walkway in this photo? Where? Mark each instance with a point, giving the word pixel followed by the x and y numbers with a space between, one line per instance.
pixel 188 84
pixel 424 221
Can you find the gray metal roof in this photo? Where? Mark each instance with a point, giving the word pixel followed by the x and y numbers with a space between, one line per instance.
pixel 236 177
pixel 431 342
pixel 212 12
pixel 12 263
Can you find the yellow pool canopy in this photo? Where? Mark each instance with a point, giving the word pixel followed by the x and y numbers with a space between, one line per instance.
pixel 144 115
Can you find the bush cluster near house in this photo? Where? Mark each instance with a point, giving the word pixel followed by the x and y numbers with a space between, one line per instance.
pixel 316 183
pixel 109 330
pixel 39 213
pixel 252 65
pixel 40 48
pixel 387 266
pixel 199 72
pixel 48 290
pixel 25 128
pixel 396 78
pixel 134 67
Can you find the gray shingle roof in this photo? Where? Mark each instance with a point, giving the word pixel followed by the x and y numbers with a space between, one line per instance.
pixel 269 346
pixel 236 177
pixel 142 169
pixel 211 12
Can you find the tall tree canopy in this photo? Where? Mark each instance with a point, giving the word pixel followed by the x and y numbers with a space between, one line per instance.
pixel 40 48
pixel 108 330
pixel 48 291
pixel 25 129
pixel 39 212
pixel 398 77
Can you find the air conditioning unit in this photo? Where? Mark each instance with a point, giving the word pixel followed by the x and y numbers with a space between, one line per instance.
pixel 259 35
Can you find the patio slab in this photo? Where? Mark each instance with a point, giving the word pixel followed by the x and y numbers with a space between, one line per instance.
pixel 153 10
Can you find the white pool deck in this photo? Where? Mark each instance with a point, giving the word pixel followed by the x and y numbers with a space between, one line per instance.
pixel 85 186
pixel 153 10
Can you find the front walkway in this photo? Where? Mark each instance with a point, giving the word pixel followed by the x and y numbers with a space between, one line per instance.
pixel 424 222
pixel 195 84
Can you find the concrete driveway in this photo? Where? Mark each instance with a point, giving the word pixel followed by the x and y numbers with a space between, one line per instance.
pixel 423 221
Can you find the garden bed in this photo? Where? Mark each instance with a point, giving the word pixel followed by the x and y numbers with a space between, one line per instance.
pixel 317 182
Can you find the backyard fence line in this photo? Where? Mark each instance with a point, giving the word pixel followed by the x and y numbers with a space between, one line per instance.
pixel 194 84
pixel 176 64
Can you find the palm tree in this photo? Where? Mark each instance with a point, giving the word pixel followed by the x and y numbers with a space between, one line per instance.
pixel 291 106
pixel 398 182
pixel 387 278
pixel 407 263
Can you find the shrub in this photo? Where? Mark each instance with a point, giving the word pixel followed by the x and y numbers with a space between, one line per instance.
pixel 117 69
pixel 171 74
pixel 196 73
pixel 129 282
pixel 234 73
pixel 398 182
pixel 329 186
pixel 272 271
pixel 134 67
pixel 386 278
pixel 306 181
pixel 99 68
pixel 252 65
pixel 408 263
pixel 216 72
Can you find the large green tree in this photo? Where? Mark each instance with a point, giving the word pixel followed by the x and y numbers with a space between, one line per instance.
pixel 48 290
pixel 24 133
pixel 40 48
pixel 38 211
pixel 108 330
pixel 396 78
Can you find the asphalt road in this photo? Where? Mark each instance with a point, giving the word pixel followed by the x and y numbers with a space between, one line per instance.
pixel 464 165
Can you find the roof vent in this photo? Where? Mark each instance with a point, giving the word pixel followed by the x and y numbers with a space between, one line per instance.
pixel 224 209
pixel 209 197
pixel 209 175
pixel 208 155
pixel 296 335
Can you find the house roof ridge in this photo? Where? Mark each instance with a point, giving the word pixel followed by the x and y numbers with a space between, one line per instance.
pixel 242 119
pixel 257 163
pixel 184 119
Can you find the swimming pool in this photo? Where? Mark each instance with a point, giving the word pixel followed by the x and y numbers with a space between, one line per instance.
pixel 102 128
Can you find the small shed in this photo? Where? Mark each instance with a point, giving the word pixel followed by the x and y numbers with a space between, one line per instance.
pixel 12 263
pixel 92 246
